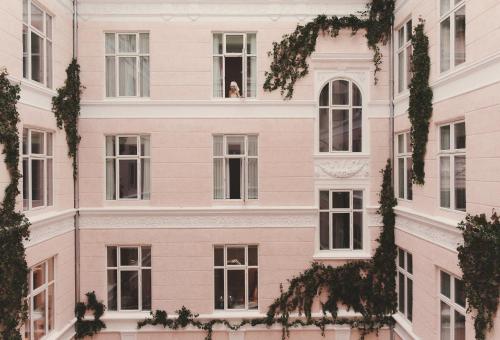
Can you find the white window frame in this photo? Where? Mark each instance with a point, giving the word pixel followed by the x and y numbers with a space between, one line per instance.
pixel 348 107
pixel 442 17
pixel 42 288
pixel 406 156
pixel 138 157
pixel 138 268
pixel 245 157
pixel 349 210
pixel 137 55
pixel 48 69
pixel 244 267
pixel 407 276
pixel 450 301
pixel 451 153
pixel 402 48
pixel 29 156
pixel 244 55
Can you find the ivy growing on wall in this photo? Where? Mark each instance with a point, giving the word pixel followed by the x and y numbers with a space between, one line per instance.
pixel 85 327
pixel 13 224
pixel 479 258
pixel 66 107
pixel 367 287
pixel 289 56
pixel 420 106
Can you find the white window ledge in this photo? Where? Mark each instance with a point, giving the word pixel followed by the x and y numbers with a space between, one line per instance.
pixel 342 255
pixel 404 328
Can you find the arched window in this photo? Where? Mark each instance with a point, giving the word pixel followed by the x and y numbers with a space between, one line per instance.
pixel 340 117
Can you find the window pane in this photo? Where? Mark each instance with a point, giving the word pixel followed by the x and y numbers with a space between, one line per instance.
pixel 444 174
pixel 36 58
pixel 401 37
pixel 25 52
pixel 127 75
pixel 459 292
pixel 236 256
pixel 49 144
pixel 401 178
pixel 459 326
pixel 409 30
pixel 218 178
pixel 324 200
pixel 251 43
pixel 401 71
pixel 409 176
pixel 128 178
pixel 409 263
pixel 409 65
pixel 445 322
pixel 356 96
pixel 409 147
pixel 236 289
pixel 445 284
pixel 445 137
pixel 445 45
pixel 146 289
pixel 145 179
pixel 341 199
pixel 251 76
pixel 341 229
pixel 146 256
pixel 39 275
pixel 357 230
pixel 460 199
pixel 340 92
pixel 217 43
pixel 37 143
pixel 401 258
pixel 50 269
pixel 252 146
pixel 50 307
pixel 219 288
pixel 111 256
pixel 340 130
pixel 235 145
pixel 127 43
pixel 324 97
pixel 233 76
pixel 129 286
pixel 253 257
pixel 110 77
pixel 357 197
pixel 401 293
pixel 144 42
pixel 129 256
pixel 409 307
pixel 253 178
pixel 323 130
pixel 26 184
pixel 49 64
pixel 218 256
pixel 110 179
pixel 218 145
pixel 37 18
pixel 324 231
pixel 460 36
pixel 38 315
pixel 217 77
pixel 253 291
pixel 110 43
pixel 459 136
pixel 144 76
pixel 234 176
pixel 127 145
pixel 234 43
pixel 37 180
pixel 401 143
pixel 356 130
pixel 112 289
pixel 49 183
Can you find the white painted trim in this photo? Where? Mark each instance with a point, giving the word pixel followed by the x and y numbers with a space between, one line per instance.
pixel 341 56
pixel 403 328
pixel 65 333
pixel 47 226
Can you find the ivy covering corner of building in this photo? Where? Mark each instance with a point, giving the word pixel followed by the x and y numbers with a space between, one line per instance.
pixel 89 327
pixel 14 226
pixel 66 107
pixel 289 56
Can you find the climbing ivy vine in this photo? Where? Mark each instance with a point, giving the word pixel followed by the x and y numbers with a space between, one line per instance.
pixel 479 258
pixel 289 56
pixel 367 287
pixel 13 224
pixel 85 327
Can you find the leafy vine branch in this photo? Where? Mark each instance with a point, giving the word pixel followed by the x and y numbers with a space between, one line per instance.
pixel 367 287
pixel 289 56
pixel 85 327
pixel 13 224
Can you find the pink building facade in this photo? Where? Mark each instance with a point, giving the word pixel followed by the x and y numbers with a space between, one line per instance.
pixel 196 192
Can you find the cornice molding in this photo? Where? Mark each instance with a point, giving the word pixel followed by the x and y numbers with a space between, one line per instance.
pixel 47 226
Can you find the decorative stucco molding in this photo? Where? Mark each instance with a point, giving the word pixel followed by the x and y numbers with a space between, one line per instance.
pixel 47 226
pixel 341 168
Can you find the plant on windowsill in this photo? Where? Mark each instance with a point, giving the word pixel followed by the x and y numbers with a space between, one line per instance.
pixel 420 105
pixel 289 56
pixel 367 287
pixel 14 226
pixel 479 259
pixel 84 327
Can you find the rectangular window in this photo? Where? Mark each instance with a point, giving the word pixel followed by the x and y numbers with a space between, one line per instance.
pixel 37 44
pixel 129 277
pixel 452 307
pixel 405 283
pixel 341 219
pixel 404 164
pixel 128 167
pixel 404 56
pixel 234 65
pixel 452 33
pixel 127 64
pixel 452 179
pixel 236 173
pixel 40 300
pixel 236 277
pixel 38 162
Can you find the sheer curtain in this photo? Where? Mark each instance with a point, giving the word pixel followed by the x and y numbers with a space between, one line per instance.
pixel 145 178
pixel 217 79
pixel 110 168
pixel 444 175
pixel 218 168
pixel 127 68
pixel 253 174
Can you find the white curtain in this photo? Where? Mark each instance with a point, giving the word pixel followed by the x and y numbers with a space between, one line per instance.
pixel 49 182
pixel 144 42
pixel 145 178
pixel 253 178
pixel 110 179
pixel 217 78
pixel 251 76
pixel 218 178
pixel 445 45
pixel 444 174
pixel 127 43
pixel 144 76
pixel 127 76
pixel 110 77
pixel 110 43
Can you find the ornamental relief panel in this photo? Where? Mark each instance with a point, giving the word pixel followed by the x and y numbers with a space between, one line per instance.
pixel 341 168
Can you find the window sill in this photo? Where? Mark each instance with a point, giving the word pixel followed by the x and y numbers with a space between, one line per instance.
pixel 342 255
pixel 36 86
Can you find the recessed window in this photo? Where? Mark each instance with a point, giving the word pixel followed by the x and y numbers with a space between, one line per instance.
pixel 37 44
pixel 404 166
pixel 127 64
pixel 234 65
pixel 37 169
pixel 340 117
pixel 129 277
pixel 452 33
pixel 236 277
pixel 235 167
pixel 404 56
pixel 452 180
pixel 40 300
pixel 405 283
pixel 341 219
pixel 128 167
pixel 452 307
